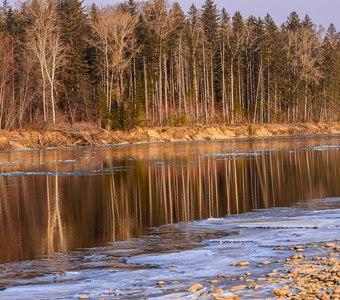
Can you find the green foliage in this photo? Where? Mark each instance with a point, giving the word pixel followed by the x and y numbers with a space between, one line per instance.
pixel 251 131
pixel 179 121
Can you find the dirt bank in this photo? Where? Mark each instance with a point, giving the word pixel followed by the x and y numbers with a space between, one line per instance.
pixel 83 135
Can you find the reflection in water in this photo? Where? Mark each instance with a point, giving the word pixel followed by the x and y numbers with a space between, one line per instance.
pixel 43 214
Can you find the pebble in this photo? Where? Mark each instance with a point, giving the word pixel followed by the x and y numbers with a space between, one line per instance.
pixel 241 264
pixel 215 291
pixel 195 287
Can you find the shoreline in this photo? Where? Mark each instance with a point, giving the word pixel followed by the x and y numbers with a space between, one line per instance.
pixel 83 135
pixel 303 271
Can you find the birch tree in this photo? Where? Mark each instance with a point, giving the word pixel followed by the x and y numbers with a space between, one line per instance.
pixel 41 24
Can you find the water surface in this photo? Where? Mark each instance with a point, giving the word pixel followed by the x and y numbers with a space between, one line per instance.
pixel 92 208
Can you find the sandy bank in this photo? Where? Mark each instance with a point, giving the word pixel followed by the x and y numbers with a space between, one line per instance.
pixel 81 135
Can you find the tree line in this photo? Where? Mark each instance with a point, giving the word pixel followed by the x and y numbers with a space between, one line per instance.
pixel 151 64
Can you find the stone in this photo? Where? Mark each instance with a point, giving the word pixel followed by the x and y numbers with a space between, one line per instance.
pixel 215 281
pixel 241 264
pixel 215 291
pixel 160 282
pixel 238 287
pixel 195 287
pixel 281 293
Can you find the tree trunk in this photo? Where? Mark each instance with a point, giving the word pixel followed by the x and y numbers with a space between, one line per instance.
pixel 165 88
pixel 160 82
pixel 223 82
pixel 44 91
pixel 257 92
pixel 212 90
pixel 268 94
pixel 195 85
pixel 146 90
pixel 305 113
pixel 232 90
pixel 205 87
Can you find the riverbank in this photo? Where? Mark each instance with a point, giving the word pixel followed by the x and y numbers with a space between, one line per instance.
pixel 84 135
pixel 305 271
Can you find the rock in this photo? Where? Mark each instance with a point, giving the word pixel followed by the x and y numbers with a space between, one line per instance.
pixel 281 293
pixel 329 245
pixel 266 262
pixel 238 287
pixel 231 297
pixel 215 291
pixel 83 297
pixel 241 264
pixel 160 283
pixel 195 287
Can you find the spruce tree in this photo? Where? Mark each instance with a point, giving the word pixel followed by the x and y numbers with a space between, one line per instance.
pixel 76 85
pixel 210 20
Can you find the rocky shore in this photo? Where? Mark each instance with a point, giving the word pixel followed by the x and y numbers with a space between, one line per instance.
pixel 310 271
pixel 84 135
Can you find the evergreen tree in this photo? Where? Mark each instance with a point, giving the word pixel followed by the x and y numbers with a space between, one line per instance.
pixel 76 85
pixel 210 21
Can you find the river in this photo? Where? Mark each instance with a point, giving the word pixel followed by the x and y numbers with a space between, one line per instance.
pixel 72 219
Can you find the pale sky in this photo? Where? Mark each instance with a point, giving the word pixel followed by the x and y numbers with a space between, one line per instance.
pixel 321 11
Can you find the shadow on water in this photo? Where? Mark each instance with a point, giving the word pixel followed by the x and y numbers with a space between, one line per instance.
pixel 57 201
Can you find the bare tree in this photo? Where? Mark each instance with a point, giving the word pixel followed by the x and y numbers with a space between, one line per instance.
pixel 162 18
pixel 52 62
pixel 27 91
pixel 6 66
pixel 114 28
pixel 235 39
pixel 40 26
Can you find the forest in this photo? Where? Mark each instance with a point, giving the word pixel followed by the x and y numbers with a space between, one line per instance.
pixel 152 64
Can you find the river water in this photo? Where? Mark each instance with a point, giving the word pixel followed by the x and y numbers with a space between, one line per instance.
pixel 70 218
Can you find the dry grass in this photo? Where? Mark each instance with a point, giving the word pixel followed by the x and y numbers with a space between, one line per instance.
pixel 65 135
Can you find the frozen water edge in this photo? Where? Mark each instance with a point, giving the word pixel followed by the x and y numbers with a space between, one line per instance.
pixel 254 238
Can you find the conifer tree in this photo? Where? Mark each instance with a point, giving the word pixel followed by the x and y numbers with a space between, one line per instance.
pixel 76 86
